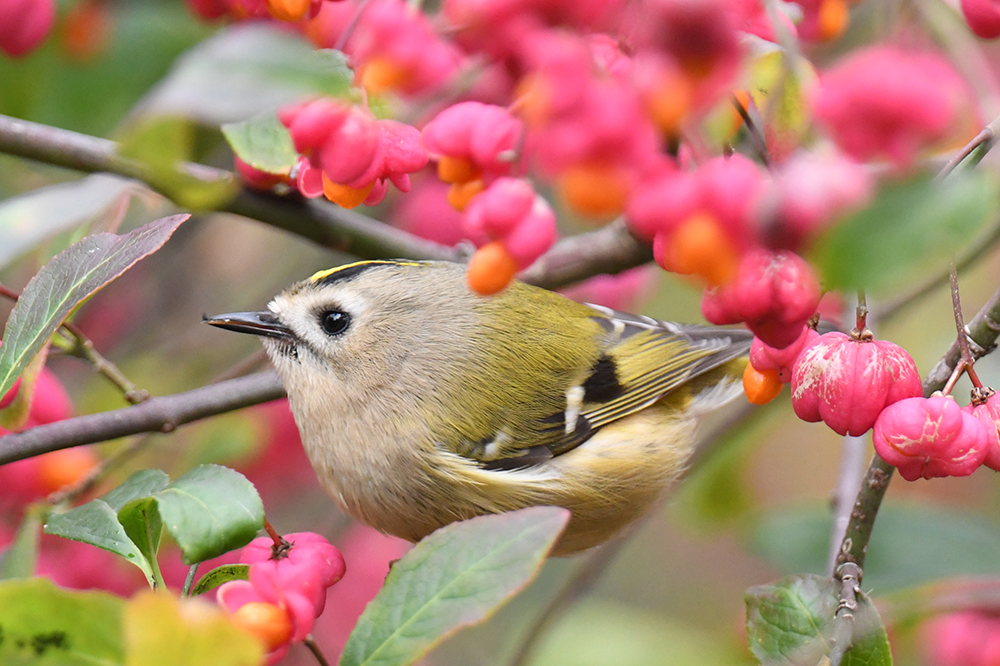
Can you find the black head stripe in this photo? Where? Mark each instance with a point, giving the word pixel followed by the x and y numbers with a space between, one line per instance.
pixel 348 271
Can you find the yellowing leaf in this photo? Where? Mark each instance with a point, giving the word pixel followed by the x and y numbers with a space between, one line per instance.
pixel 162 630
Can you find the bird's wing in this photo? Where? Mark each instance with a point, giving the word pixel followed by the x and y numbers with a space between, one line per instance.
pixel 642 359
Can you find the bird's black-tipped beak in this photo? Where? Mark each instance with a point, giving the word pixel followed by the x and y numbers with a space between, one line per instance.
pixel 255 323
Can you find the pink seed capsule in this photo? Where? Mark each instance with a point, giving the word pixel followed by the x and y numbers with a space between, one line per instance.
pixel 930 437
pixel 846 381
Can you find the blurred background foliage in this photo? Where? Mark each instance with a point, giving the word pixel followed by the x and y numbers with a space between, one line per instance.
pixel 756 507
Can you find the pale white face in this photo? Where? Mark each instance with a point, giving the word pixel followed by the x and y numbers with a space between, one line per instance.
pixel 365 331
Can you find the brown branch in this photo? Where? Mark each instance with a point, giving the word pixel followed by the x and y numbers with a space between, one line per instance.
pixel 158 414
pixel 608 250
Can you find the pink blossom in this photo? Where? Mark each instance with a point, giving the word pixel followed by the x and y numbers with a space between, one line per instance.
pixel 510 211
pixel 811 190
pixel 963 638
pixel 425 212
pixel 662 200
pixel 24 24
pixel 883 102
pixel 727 188
pixel 847 382
pixel 701 36
pixel 370 554
pixel 983 17
pixel 352 149
pixel 930 437
pixel 774 293
pixel 500 27
pixel 607 53
pixel 484 134
pixel 295 580
pixel 400 41
pixel 764 357
pixel 989 413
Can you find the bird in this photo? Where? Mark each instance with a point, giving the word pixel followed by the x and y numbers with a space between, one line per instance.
pixel 421 403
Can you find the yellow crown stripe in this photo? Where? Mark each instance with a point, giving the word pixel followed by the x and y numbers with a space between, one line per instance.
pixel 316 277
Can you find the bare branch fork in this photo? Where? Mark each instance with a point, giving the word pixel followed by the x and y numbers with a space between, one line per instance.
pixel 979 337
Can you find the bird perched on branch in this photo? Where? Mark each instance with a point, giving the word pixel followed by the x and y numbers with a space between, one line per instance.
pixel 421 403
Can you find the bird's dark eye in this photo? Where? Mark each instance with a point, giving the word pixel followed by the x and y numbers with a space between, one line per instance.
pixel 334 322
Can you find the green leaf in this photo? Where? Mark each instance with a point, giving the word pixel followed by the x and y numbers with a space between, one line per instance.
pixel 140 484
pixel 66 281
pixel 19 560
pixel 246 70
pixel 29 219
pixel 141 521
pixel 162 630
pixel 792 621
pixel 220 575
pixel 912 228
pixel 47 626
pixel 457 576
pixel 96 523
pixel 263 143
pixel 210 511
pixel 161 144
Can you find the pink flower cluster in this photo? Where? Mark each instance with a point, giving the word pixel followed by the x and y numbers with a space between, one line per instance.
pixel 963 638
pixel 509 211
pixel 473 144
pixel 348 155
pixel 294 579
pixel 885 103
pixel 774 293
pixel 24 24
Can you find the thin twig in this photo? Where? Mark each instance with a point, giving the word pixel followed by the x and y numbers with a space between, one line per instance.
pixel 956 306
pixel 756 136
pixel 967 362
pixel 978 249
pixel 861 312
pixel 83 348
pixel 849 575
pixel 189 581
pixel 310 643
pixel 158 414
pixel 985 138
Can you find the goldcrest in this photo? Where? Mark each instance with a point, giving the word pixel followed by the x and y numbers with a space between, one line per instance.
pixel 421 403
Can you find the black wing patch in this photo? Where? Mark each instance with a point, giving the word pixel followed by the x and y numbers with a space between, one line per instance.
pixel 602 385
